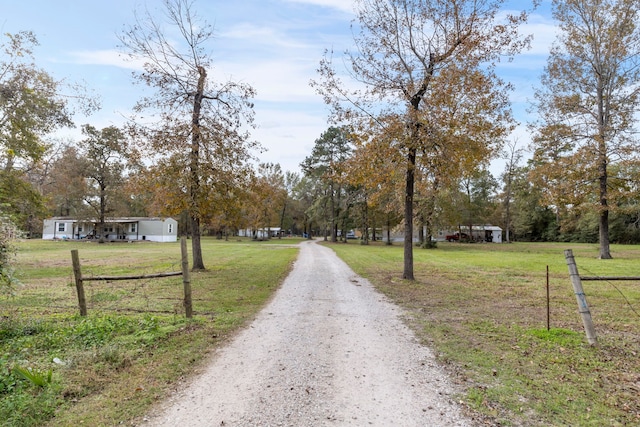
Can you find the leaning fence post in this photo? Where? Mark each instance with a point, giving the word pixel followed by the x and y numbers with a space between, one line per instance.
pixel 583 307
pixel 186 279
pixel 82 302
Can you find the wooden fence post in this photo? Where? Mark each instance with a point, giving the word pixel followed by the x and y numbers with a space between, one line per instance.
pixel 186 278
pixel 583 307
pixel 82 302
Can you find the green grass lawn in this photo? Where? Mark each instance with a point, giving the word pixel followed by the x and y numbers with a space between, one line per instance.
pixel 61 369
pixel 482 308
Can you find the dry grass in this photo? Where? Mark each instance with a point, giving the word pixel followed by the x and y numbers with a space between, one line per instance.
pixel 135 344
pixel 483 310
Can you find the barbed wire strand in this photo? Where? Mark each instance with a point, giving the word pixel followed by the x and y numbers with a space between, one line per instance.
pixel 624 297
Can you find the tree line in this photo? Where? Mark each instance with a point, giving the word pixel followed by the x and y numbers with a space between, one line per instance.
pixel 416 118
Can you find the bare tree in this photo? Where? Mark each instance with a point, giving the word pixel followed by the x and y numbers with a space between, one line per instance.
pixel 202 124
pixel 428 64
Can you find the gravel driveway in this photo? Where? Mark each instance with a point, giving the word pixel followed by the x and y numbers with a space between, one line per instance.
pixel 328 350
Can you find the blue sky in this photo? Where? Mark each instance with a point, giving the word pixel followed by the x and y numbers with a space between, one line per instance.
pixel 274 45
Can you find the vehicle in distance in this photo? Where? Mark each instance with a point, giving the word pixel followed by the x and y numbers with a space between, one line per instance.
pixel 456 237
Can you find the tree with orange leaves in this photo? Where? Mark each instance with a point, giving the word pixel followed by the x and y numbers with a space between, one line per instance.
pixel 586 138
pixel 201 136
pixel 424 78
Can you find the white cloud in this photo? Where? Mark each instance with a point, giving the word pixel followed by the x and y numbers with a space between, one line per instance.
pixel 275 80
pixel 277 48
pixel 342 5
pixel 105 57
pixel 544 34
pixel 288 135
pixel 261 35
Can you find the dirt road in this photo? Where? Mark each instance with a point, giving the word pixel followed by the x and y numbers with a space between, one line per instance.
pixel 327 351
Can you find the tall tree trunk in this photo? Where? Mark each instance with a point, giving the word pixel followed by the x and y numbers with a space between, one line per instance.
pixel 365 222
pixel 198 263
pixel 603 229
pixel 374 235
pixel 508 225
pixel 411 176
pixel 507 208
pixel 103 208
pixel 284 209
pixel 196 248
pixel 334 222
pixel 408 214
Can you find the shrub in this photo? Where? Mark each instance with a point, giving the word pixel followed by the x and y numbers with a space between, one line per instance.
pixel 8 234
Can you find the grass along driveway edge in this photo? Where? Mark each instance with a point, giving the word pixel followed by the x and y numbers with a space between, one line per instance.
pixel 135 345
pixel 482 309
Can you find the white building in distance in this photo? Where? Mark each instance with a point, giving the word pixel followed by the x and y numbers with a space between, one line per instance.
pixel 113 229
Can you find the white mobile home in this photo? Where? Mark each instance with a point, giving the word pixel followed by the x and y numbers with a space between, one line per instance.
pixel 259 233
pixel 113 229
